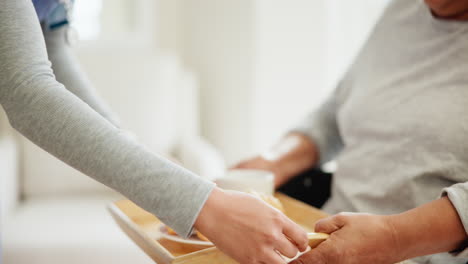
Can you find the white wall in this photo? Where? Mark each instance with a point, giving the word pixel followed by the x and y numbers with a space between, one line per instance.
pixel 290 65
pixel 9 183
pixel 217 43
pixel 263 64
pixel 125 65
pixel 348 26
pixel 302 49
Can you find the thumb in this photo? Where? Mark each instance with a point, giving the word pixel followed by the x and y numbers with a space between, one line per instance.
pixel 330 224
pixel 315 256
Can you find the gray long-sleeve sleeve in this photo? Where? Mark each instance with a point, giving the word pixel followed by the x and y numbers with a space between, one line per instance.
pixel 68 72
pixel 458 196
pixel 44 111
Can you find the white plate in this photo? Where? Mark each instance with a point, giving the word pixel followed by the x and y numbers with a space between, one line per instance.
pixel 193 240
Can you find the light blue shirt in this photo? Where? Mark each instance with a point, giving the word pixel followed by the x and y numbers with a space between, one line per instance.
pixel 52 13
pixel 44 7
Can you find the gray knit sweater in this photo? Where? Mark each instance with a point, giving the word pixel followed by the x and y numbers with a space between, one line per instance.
pixel 54 118
pixel 397 123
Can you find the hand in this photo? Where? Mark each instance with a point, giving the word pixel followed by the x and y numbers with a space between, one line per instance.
pixel 294 154
pixel 355 238
pixel 431 228
pixel 260 163
pixel 249 230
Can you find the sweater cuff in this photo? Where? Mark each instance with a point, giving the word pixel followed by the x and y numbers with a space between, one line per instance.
pixel 203 198
pixel 201 193
pixel 458 196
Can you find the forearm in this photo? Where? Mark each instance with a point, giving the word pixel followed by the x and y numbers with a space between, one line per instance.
pixel 53 118
pixel 431 228
pixel 67 128
pixel 294 154
pixel 67 71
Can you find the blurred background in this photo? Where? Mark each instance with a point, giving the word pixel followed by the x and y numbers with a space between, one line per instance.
pixel 259 65
pixel 205 82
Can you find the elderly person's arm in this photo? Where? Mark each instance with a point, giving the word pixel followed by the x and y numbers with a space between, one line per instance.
pixel 435 227
pixel 313 141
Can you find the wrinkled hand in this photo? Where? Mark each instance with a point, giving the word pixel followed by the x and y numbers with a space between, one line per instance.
pixel 291 156
pixel 259 163
pixel 256 162
pixel 249 230
pixel 355 239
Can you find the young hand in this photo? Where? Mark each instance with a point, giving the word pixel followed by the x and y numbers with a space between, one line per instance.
pixel 249 230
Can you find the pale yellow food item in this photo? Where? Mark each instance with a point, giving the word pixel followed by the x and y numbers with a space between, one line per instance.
pixel 170 231
pixel 271 200
pixel 201 236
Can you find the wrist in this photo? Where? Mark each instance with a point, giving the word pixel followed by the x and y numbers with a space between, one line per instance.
pixel 281 172
pixel 402 242
pixel 277 168
pixel 211 206
pixel 432 228
pixel 294 154
pixel 273 166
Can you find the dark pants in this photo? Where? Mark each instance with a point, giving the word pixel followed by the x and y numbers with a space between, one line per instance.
pixel 312 187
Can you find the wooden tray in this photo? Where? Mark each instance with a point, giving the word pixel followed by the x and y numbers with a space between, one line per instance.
pixel 143 228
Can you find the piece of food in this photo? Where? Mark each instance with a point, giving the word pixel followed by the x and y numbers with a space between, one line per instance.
pixel 170 231
pixel 271 200
pixel 201 236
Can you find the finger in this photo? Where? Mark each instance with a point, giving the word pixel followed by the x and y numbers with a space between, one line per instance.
pixel 296 234
pixel 330 224
pixel 286 248
pixel 311 257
